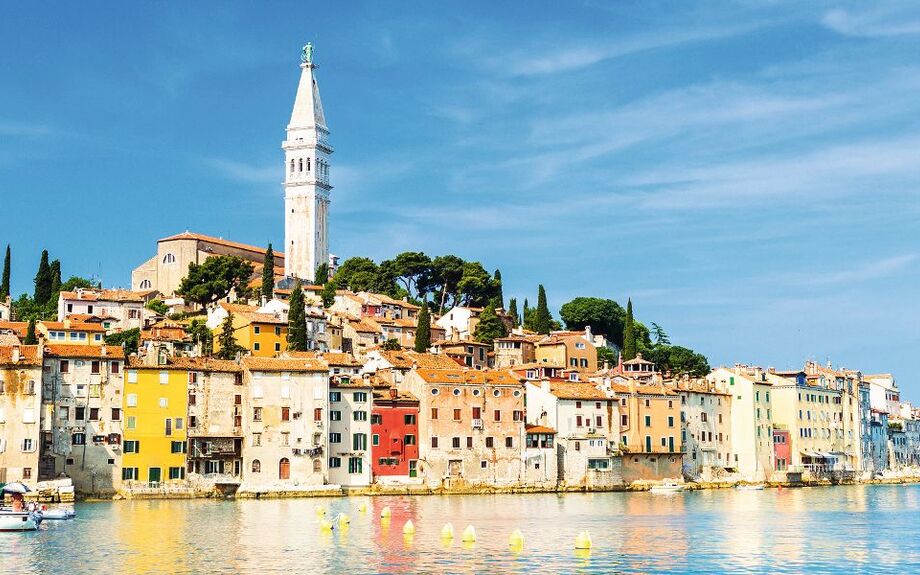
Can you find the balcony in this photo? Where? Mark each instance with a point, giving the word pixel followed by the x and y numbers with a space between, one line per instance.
pixel 477 424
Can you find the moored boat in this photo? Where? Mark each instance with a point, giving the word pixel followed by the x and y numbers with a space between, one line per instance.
pixel 750 487
pixel 19 521
pixel 667 487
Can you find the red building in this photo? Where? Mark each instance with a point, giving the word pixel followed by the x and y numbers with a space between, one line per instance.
pixel 782 450
pixel 394 429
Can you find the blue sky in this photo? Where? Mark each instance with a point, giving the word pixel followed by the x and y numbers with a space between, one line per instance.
pixel 747 172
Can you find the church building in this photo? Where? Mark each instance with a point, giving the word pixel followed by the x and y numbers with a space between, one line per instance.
pixel 306 205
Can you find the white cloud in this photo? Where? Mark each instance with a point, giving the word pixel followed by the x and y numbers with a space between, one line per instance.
pixel 246 173
pixel 891 19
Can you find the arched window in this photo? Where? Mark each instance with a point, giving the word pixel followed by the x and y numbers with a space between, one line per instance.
pixel 256 466
pixel 284 468
pixel 301 164
pixel 145 284
pixel 169 259
pixel 308 164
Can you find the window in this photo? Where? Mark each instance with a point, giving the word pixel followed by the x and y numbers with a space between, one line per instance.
pixel 598 464
pixel 177 473
pixel 578 421
pixel 335 396
pixel 256 329
pixel 164 377
pixel 355 465
pixel 285 414
pixel 671 420
pixel 335 437
pixel 169 259
pixel 456 443
pixel 177 447
pixel 376 419
pixel 509 442
pixel 434 442
pixel 335 462
pixel 168 426
pixel 129 474
pixel 132 422
pixel 193 420
pixel 318 414
pixel 257 414
pixel 498 415
pixel 624 420
pixel 648 421
pixel 335 416
pixel 360 415
pixel 64 366
pixel 434 413
pixel 80 413
pixel 132 446
pixel 256 466
pixel 94 366
pixel 409 419
pixel 360 396
pixel 490 442
pixel 359 441
pixel 78 439
pixel 94 414
pixel 256 346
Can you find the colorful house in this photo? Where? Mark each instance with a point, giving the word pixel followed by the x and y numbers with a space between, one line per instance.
pixel 394 429
pixel 71 332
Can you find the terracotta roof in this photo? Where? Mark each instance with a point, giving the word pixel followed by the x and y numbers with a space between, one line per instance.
pixel 89 318
pixel 238 307
pixel 468 377
pixel 449 342
pixel 255 317
pixel 18 327
pixel 93 351
pixel 384 396
pixel 538 429
pixel 535 365
pixel 220 242
pixel 404 359
pixel 576 390
pixel 205 364
pixel 71 326
pixel 336 359
pixel 29 356
pixel 284 364
pixel 365 325
pixel 350 381
pixel 165 333
pixel 114 295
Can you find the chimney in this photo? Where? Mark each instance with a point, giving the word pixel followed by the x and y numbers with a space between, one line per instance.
pixel 14 354
pixel 588 335
pixel 545 386
pixel 606 365
pixel 393 393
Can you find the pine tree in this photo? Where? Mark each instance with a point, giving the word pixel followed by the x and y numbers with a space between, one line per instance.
pixel 328 294
pixel 542 320
pixel 490 326
pixel 31 338
pixel 297 321
pixel 423 331
pixel 43 281
pixel 498 289
pixel 629 333
pixel 56 280
pixel 268 274
pixel 5 283
pixel 227 340
pixel 513 311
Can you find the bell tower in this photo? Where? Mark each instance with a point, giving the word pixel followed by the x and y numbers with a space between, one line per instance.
pixel 306 180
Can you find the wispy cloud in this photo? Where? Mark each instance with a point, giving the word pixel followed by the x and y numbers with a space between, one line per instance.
pixel 243 172
pixel 875 20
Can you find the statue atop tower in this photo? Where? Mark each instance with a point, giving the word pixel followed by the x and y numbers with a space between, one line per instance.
pixel 306 181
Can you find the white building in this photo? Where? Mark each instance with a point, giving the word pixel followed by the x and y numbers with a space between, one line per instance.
pixel 349 432
pixel 116 309
pixel 460 322
pixel 306 181
pixel 751 419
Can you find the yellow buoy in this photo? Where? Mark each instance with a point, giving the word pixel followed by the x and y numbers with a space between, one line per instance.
pixel 343 519
pixel 325 525
pixel 385 512
pixel 362 508
pixel 447 532
pixel 469 534
pixel 583 541
pixel 409 528
pixel 517 539
pixel 320 510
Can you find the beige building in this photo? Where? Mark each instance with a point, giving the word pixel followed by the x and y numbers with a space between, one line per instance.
pixel 574 350
pixel 705 422
pixel 166 269
pixel 471 426
pixel 20 412
pixel 82 423
pixel 514 350
pixel 216 408
pixel 116 309
pixel 467 353
pixel 285 421
pixel 751 421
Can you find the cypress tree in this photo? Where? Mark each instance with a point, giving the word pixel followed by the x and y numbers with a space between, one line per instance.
pixel 5 283
pixel 297 321
pixel 321 277
pixel 56 280
pixel 513 312
pixel 43 281
pixel 490 326
pixel 268 274
pixel 227 340
pixel 629 333
pixel 423 331
pixel 31 339
pixel 498 289
pixel 542 320
pixel 328 294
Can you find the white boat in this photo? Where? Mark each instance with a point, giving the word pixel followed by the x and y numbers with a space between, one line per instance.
pixel 752 487
pixel 667 487
pixel 19 522
pixel 58 513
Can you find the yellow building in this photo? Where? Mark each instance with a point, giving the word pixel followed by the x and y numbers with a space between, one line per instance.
pixel 574 350
pixel 71 332
pixel 263 334
pixel 155 406
pixel 649 417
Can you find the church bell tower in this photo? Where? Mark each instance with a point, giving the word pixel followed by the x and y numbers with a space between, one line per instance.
pixel 306 180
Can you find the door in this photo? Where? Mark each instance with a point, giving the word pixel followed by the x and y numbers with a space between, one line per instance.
pixel 284 468
pixel 153 476
pixel 454 467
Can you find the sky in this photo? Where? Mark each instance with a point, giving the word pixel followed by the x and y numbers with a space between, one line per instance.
pixel 747 172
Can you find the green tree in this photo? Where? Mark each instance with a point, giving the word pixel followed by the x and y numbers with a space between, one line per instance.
pixel 629 333
pixel 297 321
pixel 476 287
pixel 5 282
pixel 321 277
pixel 200 334
pixel 268 274
pixel 391 344
pixel 157 305
pixel 214 279
pixel 75 282
pixel 490 326
pixel 413 270
pixel 542 320
pixel 31 338
pixel 513 311
pixel 227 340
pixel 605 316
pixel 423 332
pixel 661 337
pixel 524 312
pixel 128 340
pixel 497 286
pixel 605 354
pixel 679 361
pixel 357 274
pixel 328 293
pixel 43 280
pixel 55 278
pixel 446 273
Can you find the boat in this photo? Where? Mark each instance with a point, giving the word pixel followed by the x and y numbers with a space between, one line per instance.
pixel 750 487
pixel 58 513
pixel 667 487
pixel 19 521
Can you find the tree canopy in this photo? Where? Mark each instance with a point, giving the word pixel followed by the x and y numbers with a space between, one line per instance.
pixel 605 316
pixel 423 332
pixel 490 326
pixel 43 280
pixel 129 339
pixel 226 339
pixel 268 274
pixel 298 339
pixel 214 279
pixel 630 347
pixel 542 320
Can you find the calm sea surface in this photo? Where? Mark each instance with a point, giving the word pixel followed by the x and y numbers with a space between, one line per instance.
pixel 860 529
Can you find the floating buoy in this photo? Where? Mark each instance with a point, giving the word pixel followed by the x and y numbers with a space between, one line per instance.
pixel 325 525
pixel 583 541
pixel 409 528
pixel 385 512
pixel 362 508
pixel 469 534
pixel 320 510
pixel 517 539
pixel 447 532
pixel 343 519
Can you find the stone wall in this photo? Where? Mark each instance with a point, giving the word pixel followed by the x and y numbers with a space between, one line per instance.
pixel 650 466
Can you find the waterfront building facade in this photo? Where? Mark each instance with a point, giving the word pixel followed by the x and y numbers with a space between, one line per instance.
pixel 705 420
pixel 349 440
pixel 20 409
pixel 395 436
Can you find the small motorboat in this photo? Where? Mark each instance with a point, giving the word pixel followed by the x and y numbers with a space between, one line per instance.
pixel 19 521
pixel 749 487
pixel 667 487
pixel 58 514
